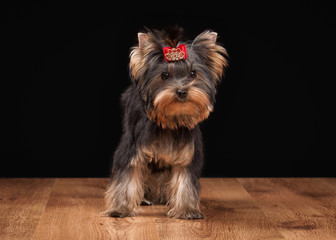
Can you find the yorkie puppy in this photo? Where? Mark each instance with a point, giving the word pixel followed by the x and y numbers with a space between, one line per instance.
pixel 160 154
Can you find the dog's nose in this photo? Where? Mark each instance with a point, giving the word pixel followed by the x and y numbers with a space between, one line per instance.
pixel 181 93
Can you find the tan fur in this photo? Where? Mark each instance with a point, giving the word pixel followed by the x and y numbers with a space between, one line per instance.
pixel 219 62
pixel 163 152
pixel 139 54
pixel 217 54
pixel 156 189
pixel 170 113
pixel 137 64
pixel 183 196
pixel 160 169
pixel 125 194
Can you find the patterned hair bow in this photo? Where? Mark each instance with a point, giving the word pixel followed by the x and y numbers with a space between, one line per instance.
pixel 175 54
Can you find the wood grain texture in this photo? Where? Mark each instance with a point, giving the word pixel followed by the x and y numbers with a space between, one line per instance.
pixel 300 208
pixel 22 202
pixel 244 208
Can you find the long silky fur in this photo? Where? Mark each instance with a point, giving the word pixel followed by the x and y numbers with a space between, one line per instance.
pixel 160 153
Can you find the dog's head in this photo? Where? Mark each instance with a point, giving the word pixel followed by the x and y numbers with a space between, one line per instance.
pixel 177 80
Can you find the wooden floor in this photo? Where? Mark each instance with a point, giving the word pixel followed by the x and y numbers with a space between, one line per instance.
pixel 243 208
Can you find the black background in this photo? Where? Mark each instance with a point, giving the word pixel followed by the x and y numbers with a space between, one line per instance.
pixel 65 66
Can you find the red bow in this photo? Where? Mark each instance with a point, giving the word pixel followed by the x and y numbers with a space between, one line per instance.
pixel 175 54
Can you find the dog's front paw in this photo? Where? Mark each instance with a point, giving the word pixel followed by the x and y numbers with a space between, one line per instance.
pixel 193 214
pixel 186 214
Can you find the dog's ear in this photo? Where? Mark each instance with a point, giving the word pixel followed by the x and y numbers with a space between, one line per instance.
pixel 213 53
pixel 143 39
pixel 137 61
pixel 206 38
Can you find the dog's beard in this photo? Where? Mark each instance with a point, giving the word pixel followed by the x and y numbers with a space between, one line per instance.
pixel 168 111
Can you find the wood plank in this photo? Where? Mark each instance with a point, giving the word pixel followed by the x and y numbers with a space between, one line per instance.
pixel 301 208
pixel 141 227
pixel 22 202
pixel 74 212
pixel 230 213
pixel 234 209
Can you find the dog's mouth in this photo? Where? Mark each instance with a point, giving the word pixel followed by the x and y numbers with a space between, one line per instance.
pixel 172 111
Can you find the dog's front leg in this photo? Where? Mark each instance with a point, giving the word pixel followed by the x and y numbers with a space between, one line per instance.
pixel 183 191
pixel 125 192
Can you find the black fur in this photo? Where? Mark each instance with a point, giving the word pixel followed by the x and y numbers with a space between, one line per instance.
pixel 144 164
pixel 139 130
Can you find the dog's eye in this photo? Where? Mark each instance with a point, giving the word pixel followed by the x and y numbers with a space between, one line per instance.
pixel 165 75
pixel 192 74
